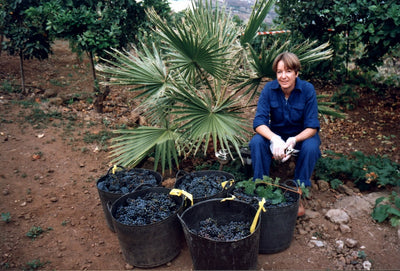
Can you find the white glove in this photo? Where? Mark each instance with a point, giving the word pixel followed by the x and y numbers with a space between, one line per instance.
pixel 277 147
pixel 290 143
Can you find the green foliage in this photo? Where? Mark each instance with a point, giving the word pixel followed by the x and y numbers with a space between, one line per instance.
pixel 35 265
pixel 363 30
pixel 335 183
pixel 346 97
pixel 39 118
pixel 6 217
pixel 365 171
pixel 24 26
pixel 34 232
pixel 267 188
pixel 387 208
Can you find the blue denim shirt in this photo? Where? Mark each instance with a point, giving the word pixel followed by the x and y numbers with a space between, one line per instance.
pixel 287 117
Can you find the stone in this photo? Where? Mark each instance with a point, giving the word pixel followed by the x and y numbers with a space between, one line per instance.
pixel 312 214
pixel 50 93
pixel 339 245
pixel 350 243
pixel 398 233
pixel 345 190
pixel 367 265
pixel 56 101
pixel 337 216
pixel 323 185
pixel 128 266
pixel 344 228
pixel 316 243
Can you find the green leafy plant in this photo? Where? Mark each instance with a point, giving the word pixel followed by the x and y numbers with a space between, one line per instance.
pixel 387 208
pixel 36 231
pixel 346 97
pixel 35 264
pixel 335 183
pixel 6 217
pixel 365 171
pixel 267 188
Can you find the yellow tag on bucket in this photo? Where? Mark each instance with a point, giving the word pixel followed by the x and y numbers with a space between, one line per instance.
pixel 260 207
pixel 231 198
pixel 179 192
pixel 223 184
pixel 114 169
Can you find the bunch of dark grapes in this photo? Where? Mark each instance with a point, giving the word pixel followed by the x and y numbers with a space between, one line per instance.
pixel 147 209
pixel 123 182
pixel 202 186
pixel 232 231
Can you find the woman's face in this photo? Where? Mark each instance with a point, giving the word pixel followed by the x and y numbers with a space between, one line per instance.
pixel 286 77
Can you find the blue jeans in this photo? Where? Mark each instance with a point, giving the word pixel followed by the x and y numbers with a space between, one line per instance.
pixel 308 156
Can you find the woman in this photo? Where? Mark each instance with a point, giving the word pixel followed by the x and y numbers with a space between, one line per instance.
pixel 286 118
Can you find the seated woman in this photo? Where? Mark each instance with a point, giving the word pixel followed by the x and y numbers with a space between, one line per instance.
pixel 286 118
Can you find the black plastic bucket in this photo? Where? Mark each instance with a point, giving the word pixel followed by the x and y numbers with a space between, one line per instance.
pixel 153 244
pixel 208 254
pixel 222 193
pixel 107 198
pixel 277 227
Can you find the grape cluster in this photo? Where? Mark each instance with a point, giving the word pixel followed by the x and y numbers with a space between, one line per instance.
pixel 123 182
pixel 290 198
pixel 232 231
pixel 202 186
pixel 147 209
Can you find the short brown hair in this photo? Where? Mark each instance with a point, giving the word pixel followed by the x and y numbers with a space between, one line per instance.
pixel 290 60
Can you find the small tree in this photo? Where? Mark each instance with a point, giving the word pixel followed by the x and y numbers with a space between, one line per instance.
pixel 24 27
pixel 95 26
pixel 373 26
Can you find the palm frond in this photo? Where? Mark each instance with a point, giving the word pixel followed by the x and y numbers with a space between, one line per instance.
pixel 144 70
pixel 193 51
pixel 203 117
pixel 258 14
pixel 132 146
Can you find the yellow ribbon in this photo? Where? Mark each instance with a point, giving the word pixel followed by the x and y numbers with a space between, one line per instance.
pixel 260 207
pixel 231 198
pixel 223 184
pixel 114 169
pixel 179 192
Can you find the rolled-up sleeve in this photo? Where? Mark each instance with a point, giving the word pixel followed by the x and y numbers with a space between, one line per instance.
pixel 262 116
pixel 311 107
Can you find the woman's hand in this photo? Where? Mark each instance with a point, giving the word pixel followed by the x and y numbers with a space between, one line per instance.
pixel 277 147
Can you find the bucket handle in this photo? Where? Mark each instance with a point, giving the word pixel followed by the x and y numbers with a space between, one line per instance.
pixel 260 207
pixel 114 168
pixel 284 186
pixel 179 192
pixel 181 172
pixel 227 184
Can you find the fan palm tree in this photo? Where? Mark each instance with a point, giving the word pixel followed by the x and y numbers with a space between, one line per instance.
pixel 196 85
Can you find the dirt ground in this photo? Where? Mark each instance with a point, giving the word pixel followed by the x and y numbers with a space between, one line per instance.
pixel 50 161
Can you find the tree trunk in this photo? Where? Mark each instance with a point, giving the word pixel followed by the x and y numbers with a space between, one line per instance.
pixel 96 86
pixel 21 66
pixel 1 43
pixel 100 96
